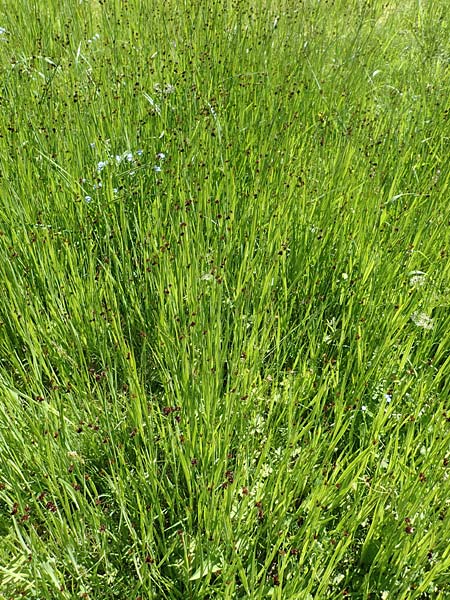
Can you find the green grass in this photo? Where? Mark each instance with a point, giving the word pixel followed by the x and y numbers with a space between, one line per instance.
pixel 224 300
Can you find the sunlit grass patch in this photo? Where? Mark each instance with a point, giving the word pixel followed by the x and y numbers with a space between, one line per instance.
pixel 224 293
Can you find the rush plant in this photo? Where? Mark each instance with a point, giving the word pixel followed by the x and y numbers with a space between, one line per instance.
pixel 224 300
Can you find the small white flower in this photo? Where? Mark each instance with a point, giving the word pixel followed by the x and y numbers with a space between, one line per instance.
pixel 213 112
pixel 421 319
pixel 417 278
pixel 388 398
pixel 161 155
pixel 101 165
pixel 139 152
pixel 2 31
pixel 115 190
pixel 266 470
pixel 157 168
pixel 75 456
pixel 88 198
pixel 92 144
pixel 118 159
pixel 344 276
pixel 129 156
pixel 364 408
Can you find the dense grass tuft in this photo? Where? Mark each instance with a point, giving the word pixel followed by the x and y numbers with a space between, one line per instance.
pixel 224 300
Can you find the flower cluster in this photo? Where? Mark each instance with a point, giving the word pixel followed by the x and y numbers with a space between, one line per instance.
pixel 417 278
pixel 94 38
pixel 128 158
pixel 421 319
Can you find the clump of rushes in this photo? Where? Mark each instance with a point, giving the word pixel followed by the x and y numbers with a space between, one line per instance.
pixel 224 322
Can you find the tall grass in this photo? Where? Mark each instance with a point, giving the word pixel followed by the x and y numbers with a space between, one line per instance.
pixel 224 326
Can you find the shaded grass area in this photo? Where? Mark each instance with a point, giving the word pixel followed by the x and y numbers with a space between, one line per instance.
pixel 224 345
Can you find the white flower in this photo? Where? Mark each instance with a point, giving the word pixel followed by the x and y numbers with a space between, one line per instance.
pixel 139 152
pixel 339 577
pixel 266 470
pixel 344 276
pixel 74 454
pixel 101 165
pixel 417 278
pixel 388 398
pixel 421 319
pixel 157 168
pixel 2 31
pixel 88 198
pixel 161 155
pixel 364 408
pixel 167 89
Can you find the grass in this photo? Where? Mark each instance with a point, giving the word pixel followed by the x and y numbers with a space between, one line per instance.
pixel 224 324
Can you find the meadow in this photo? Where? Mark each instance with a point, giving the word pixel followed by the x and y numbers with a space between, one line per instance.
pixel 224 300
